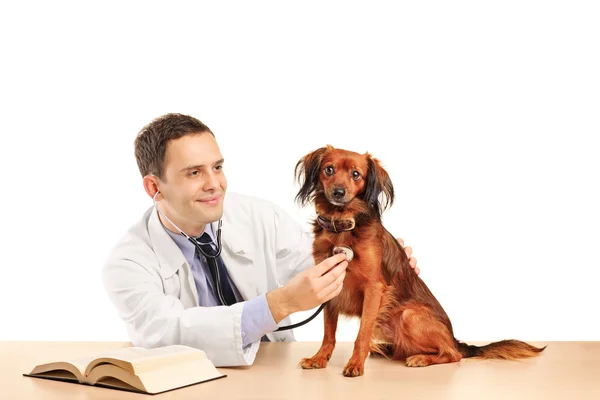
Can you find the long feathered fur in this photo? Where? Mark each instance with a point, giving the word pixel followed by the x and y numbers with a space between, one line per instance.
pixel 400 318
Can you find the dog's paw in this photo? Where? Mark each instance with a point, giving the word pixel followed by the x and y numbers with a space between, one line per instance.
pixel 314 362
pixel 419 360
pixel 353 369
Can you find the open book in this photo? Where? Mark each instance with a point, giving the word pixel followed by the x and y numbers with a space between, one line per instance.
pixel 135 369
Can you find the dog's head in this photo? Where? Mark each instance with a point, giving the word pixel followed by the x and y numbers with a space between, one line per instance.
pixel 343 176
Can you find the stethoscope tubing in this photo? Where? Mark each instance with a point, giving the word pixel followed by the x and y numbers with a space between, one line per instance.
pixel 218 280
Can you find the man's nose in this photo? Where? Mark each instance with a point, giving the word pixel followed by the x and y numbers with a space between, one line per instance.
pixel 212 182
pixel 338 193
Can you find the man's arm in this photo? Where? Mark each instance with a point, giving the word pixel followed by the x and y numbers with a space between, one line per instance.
pixel 307 290
pixel 155 319
pixel 303 287
pixel 310 288
pixel 257 320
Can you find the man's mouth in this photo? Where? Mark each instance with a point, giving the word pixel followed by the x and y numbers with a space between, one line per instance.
pixel 211 201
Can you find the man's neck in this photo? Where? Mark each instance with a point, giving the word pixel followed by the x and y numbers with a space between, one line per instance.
pixel 188 230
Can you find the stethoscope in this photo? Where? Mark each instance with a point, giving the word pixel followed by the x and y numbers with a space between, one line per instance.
pixel 192 240
pixel 197 245
pixel 217 280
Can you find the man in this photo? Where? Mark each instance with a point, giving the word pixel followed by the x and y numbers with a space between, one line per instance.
pixel 165 286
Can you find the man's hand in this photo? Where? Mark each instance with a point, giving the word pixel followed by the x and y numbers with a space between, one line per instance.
pixel 310 288
pixel 411 260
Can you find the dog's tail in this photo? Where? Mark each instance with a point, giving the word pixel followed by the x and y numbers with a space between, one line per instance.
pixel 502 350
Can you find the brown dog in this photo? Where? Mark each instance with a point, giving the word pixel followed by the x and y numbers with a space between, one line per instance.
pixel 399 317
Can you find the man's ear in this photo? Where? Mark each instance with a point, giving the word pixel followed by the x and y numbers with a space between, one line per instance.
pixel 379 191
pixel 307 174
pixel 150 183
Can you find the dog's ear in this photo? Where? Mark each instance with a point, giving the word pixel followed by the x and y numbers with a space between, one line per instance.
pixel 378 183
pixel 307 174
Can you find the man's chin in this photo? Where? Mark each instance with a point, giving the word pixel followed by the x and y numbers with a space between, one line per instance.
pixel 207 212
pixel 213 213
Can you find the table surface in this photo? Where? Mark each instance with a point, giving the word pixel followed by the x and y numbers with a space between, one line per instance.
pixel 564 370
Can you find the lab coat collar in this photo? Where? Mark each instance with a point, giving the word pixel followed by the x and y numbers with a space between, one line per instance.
pixel 169 254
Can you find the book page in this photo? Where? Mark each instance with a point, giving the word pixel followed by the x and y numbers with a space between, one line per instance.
pixel 115 376
pixel 179 375
pixel 61 369
pixel 84 361
pixel 138 359
pixel 157 380
pixel 76 366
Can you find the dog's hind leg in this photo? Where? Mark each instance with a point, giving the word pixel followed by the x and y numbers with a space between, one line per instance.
pixel 422 338
pixel 381 349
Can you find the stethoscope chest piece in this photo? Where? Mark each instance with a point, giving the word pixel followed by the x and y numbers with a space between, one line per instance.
pixel 346 250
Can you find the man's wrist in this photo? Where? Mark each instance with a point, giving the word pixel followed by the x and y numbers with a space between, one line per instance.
pixel 256 320
pixel 279 304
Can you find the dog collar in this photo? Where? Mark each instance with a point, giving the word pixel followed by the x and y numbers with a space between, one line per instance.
pixel 339 225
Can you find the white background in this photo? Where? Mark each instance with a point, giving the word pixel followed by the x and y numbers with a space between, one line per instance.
pixel 485 115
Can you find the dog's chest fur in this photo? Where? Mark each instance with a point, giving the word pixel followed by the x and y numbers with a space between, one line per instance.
pixel 359 272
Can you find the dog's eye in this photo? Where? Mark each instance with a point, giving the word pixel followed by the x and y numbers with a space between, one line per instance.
pixel 329 170
pixel 355 175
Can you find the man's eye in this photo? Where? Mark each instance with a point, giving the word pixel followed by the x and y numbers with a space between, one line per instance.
pixel 355 175
pixel 329 170
pixel 195 173
pixel 219 167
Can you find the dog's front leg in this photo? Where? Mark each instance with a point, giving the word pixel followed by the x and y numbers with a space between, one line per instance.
pixel 371 304
pixel 319 360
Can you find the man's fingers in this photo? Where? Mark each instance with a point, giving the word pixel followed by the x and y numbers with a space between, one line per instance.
pixel 329 263
pixel 335 287
pixel 333 275
pixel 400 241
pixel 408 251
pixel 413 262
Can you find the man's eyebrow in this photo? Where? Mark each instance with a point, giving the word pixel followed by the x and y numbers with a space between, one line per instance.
pixel 201 165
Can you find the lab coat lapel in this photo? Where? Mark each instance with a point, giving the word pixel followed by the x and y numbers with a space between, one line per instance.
pixel 238 258
pixel 237 255
pixel 171 260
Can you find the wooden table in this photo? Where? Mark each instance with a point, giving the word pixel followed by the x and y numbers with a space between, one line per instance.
pixel 566 370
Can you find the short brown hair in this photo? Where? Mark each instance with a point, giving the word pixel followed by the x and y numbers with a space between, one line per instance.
pixel 151 142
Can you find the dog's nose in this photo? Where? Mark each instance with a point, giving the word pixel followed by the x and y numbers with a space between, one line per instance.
pixel 338 193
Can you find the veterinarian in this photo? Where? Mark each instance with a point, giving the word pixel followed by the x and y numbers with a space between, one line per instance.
pixel 219 272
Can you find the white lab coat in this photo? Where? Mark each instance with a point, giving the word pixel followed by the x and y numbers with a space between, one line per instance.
pixel 149 280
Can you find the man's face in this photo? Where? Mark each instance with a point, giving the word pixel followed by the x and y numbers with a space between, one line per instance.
pixel 193 186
